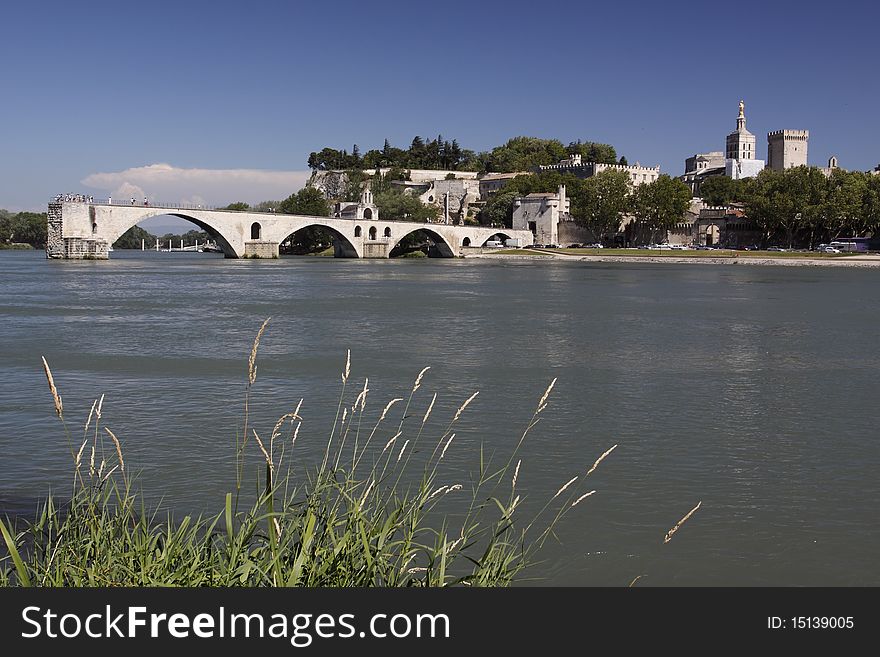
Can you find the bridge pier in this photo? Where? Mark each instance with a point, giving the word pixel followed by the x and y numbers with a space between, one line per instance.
pixel 260 249
pixel 72 247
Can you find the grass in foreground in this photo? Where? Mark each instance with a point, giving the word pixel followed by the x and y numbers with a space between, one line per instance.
pixel 369 514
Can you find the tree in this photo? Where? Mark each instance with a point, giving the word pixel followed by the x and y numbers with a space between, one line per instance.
pixel 718 191
pixel 782 203
pixel 844 208
pixel 591 151
pixel 601 201
pixel 266 206
pixel 24 228
pixel 661 204
pixel 238 205
pixel 307 201
pixel 397 206
pixel 523 154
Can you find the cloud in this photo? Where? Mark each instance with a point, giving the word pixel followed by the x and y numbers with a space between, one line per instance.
pixel 164 182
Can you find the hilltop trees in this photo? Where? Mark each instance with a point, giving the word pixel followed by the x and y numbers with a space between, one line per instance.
pixel 518 154
pixel 438 153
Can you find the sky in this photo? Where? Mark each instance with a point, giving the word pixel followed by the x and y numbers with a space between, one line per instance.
pixel 214 102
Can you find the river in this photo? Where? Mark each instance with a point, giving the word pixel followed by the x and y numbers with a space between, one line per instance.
pixel 749 389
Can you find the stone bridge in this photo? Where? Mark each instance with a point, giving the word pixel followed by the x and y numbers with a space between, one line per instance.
pixel 88 229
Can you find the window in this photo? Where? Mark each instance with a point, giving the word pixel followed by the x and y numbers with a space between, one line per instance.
pixel 256 230
pixel 357 231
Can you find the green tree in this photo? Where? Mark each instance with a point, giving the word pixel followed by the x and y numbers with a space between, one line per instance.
pixel 266 206
pixel 307 201
pixel 591 151
pixel 871 204
pixel 396 206
pixel 661 204
pixel 24 228
pixel 238 205
pixel 717 191
pixel 601 201
pixel 523 154
pixel 844 209
pixel 783 203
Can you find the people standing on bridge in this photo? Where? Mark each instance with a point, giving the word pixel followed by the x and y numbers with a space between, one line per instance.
pixel 146 202
pixel 132 200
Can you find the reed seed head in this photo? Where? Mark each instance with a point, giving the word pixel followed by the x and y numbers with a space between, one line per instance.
pixel 419 379
pixel 541 404
pixel 562 490
pixel 347 370
pixel 59 407
pixel 582 497
pixel 118 449
pixel 464 406
pixel 446 446
pixel 681 522
pixel 600 459
pixel 252 360
pixel 430 406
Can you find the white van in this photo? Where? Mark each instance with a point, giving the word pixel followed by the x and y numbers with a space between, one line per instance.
pixel 494 244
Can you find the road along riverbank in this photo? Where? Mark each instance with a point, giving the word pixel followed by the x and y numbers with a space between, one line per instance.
pixel 869 261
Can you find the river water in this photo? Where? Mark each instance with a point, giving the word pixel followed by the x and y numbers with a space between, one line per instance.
pixel 750 389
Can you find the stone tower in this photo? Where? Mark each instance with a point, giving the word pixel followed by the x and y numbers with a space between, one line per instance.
pixel 787 148
pixel 741 142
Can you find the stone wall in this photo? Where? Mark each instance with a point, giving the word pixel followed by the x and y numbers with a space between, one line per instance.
pixel 83 248
pixel 55 241
pixel 572 233
pixel 376 249
pixel 260 249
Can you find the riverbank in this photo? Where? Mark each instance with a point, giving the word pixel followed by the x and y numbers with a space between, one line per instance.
pixel 698 257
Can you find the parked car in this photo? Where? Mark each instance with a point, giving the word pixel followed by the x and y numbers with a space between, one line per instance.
pixel 551 246
pixel 594 245
pixel 829 249
pixel 535 246
pixel 494 244
pixel 574 246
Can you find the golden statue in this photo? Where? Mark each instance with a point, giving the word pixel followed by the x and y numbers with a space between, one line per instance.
pixel 742 110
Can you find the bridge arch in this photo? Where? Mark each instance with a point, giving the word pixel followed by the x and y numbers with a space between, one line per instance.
pixel 113 229
pixel 342 245
pixel 440 242
pixel 499 236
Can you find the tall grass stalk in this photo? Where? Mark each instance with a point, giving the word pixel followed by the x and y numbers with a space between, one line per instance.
pixel 372 512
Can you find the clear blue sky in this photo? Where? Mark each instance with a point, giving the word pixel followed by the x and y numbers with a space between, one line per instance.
pixel 107 87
